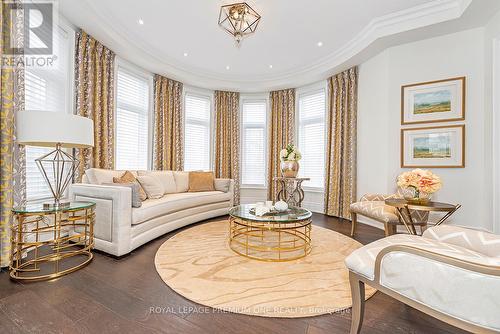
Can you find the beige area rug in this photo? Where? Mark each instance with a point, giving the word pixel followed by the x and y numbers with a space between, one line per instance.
pixel 198 264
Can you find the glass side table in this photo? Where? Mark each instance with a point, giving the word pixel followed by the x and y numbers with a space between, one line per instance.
pixel 49 243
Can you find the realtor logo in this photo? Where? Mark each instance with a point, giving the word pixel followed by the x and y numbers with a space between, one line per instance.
pixel 30 29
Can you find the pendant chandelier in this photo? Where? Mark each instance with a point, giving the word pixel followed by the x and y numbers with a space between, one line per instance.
pixel 238 19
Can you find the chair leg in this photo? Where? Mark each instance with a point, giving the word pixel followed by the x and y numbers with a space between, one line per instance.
pixel 354 221
pixel 358 303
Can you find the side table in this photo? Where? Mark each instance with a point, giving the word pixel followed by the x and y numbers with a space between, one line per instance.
pixel 403 208
pixel 290 190
pixel 49 243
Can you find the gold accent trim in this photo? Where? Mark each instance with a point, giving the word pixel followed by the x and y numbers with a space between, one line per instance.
pixel 402 147
pixel 462 118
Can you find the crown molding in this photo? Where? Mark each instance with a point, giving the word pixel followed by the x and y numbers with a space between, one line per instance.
pixel 144 55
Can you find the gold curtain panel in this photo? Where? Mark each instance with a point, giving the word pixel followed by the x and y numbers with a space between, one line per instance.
pixel 340 190
pixel 95 84
pixel 281 133
pixel 227 138
pixel 168 124
pixel 12 155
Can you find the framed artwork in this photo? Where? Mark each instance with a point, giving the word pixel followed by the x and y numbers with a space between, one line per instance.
pixel 433 101
pixel 437 147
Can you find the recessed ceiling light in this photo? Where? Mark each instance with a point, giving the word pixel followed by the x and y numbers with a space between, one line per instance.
pixel 227 67
pixel 320 44
pixel 141 22
pixel 185 54
pixel 270 66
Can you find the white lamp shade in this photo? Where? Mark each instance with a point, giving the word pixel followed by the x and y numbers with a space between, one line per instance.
pixel 42 128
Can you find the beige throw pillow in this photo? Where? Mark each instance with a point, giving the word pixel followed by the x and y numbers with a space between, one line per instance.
pixel 128 177
pixel 152 186
pixel 201 181
pixel 166 177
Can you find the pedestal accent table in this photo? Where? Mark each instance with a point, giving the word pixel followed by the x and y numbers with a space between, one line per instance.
pixel 290 190
pixel 49 243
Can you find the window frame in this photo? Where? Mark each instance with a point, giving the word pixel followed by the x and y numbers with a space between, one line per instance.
pixel 203 94
pixel 69 106
pixel 138 72
pixel 304 91
pixel 256 97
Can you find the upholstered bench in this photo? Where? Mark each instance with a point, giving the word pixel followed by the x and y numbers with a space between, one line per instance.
pixel 451 273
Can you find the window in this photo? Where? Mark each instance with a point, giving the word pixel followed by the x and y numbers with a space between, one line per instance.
pixel 311 137
pixel 253 139
pixel 47 88
pixel 132 109
pixel 197 132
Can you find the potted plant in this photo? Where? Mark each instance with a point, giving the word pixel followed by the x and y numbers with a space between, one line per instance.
pixel 418 185
pixel 289 160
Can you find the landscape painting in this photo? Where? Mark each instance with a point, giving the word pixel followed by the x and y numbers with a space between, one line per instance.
pixel 438 101
pixel 436 147
pixel 432 146
pixel 433 101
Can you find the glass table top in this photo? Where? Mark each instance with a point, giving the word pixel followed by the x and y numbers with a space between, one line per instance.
pixel 38 207
pixel 290 216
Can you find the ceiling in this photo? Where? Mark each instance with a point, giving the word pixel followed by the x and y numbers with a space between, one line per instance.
pixel 287 37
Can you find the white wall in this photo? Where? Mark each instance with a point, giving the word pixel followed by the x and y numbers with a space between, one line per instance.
pixel 380 81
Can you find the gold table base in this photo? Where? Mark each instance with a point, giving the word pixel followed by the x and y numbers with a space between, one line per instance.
pixel 49 245
pixel 270 241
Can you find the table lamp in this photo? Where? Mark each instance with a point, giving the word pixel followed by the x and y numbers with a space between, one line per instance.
pixel 59 130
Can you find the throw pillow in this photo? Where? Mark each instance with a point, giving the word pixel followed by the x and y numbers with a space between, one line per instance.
pixel 152 186
pixel 135 186
pixel 128 177
pixel 166 177
pixel 201 181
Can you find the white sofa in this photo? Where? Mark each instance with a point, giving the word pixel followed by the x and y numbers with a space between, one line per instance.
pixel 119 228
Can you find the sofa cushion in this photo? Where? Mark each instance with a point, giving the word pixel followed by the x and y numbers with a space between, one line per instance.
pixel 169 203
pixel 128 178
pixel 166 177
pixel 152 186
pixel 201 181
pixel 100 176
pixel 181 181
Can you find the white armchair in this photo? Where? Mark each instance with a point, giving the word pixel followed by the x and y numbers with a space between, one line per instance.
pixel 451 273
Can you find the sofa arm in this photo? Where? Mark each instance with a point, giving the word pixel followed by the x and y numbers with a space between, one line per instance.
pixel 113 211
pixel 224 185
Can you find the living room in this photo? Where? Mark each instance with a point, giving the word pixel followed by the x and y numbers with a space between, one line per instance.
pixel 256 167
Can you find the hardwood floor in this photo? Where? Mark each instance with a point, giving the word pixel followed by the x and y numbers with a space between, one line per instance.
pixel 126 295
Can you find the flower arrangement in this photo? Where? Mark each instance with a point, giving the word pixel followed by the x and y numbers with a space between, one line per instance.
pixel 290 153
pixel 422 182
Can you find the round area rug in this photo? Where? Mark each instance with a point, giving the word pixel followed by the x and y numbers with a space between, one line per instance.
pixel 198 264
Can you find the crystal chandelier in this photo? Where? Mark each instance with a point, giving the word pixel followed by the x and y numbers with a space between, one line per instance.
pixel 238 19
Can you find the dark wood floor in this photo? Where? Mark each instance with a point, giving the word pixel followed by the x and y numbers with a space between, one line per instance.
pixel 116 296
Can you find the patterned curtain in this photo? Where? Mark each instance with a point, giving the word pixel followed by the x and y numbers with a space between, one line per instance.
pixel 227 138
pixel 281 133
pixel 12 156
pixel 168 124
pixel 340 188
pixel 94 94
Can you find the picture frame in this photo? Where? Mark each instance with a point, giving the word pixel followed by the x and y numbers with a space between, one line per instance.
pixel 433 101
pixel 436 147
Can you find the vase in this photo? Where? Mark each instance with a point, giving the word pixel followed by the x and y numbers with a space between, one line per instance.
pixel 289 168
pixel 415 196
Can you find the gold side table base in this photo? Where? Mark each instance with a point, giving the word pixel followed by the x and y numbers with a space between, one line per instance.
pixel 270 241
pixel 47 243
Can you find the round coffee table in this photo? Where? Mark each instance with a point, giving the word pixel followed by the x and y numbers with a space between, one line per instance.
pixel 273 238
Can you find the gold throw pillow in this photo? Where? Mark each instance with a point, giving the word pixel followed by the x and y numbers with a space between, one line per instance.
pixel 201 181
pixel 128 177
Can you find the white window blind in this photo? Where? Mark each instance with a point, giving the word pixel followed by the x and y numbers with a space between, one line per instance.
pixel 311 133
pixel 197 133
pixel 47 88
pixel 132 106
pixel 253 133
